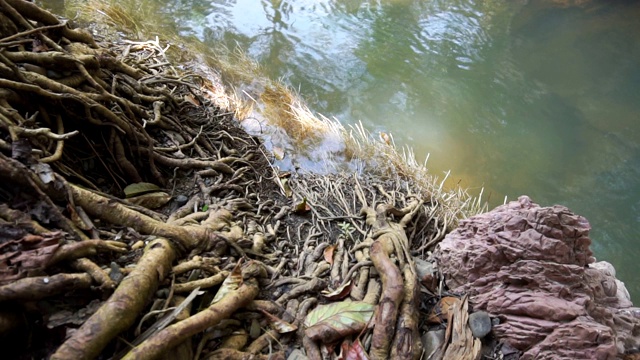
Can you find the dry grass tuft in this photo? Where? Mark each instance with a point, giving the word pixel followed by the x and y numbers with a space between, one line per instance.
pixel 377 156
pixel 381 157
pixel 285 110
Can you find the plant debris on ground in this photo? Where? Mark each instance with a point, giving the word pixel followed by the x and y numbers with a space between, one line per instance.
pixel 138 221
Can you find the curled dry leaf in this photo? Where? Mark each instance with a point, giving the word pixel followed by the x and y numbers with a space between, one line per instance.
pixel 192 99
pixel 231 283
pixel 328 253
pixel 280 325
pixel 340 293
pixel 285 186
pixel 442 310
pixel 329 323
pixel 386 138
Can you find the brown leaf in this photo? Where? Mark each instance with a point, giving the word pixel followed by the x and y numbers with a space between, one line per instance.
pixel 150 201
pixel 192 99
pixel 280 325
pixel 442 310
pixel 30 252
pixel 386 138
pixel 463 345
pixel 328 253
pixel 340 293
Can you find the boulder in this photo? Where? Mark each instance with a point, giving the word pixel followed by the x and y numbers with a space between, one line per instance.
pixel 531 267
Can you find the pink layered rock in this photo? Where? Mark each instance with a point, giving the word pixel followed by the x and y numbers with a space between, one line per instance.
pixel 532 268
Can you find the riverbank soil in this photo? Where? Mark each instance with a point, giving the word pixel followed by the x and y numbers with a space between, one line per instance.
pixel 138 221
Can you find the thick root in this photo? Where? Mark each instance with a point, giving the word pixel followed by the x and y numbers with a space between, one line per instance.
pixel 406 343
pixel 387 310
pixel 36 288
pixel 115 213
pixel 122 308
pixel 154 347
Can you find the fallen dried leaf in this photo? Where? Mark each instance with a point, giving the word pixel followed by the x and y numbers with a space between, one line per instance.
pixel 278 153
pixel 340 293
pixel 328 323
pixel 285 185
pixel 150 201
pixel 231 283
pixel 192 99
pixel 328 253
pixel 280 325
pixel 442 310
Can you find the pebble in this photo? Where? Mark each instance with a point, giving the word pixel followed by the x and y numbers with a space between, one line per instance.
pixel 181 200
pixel 115 273
pixel 480 324
pixel 431 341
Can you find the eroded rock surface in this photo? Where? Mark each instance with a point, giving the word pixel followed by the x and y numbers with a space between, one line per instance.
pixel 531 266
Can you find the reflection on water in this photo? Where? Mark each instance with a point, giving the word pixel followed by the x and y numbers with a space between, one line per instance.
pixel 535 98
pixel 539 97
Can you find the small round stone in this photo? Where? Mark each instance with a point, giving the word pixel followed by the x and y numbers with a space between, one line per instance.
pixel 480 324
pixel 181 200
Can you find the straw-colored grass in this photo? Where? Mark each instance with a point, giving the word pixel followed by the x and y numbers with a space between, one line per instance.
pixel 285 110
pixel 375 155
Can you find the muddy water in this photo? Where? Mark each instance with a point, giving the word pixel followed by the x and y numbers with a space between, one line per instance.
pixel 539 98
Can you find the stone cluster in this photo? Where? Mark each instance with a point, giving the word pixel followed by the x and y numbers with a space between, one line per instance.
pixel 531 267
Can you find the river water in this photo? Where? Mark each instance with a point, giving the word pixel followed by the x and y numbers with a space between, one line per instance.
pixel 539 98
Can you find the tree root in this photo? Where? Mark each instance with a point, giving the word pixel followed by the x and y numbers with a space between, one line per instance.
pixel 36 288
pixel 84 249
pixel 115 213
pixel 399 290
pixel 175 334
pixel 122 308
pixel 387 310
pixel 407 343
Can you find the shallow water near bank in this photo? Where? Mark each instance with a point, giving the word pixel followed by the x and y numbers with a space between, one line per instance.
pixel 539 98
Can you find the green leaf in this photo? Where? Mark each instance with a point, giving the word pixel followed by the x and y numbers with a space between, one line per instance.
pixel 328 323
pixel 205 208
pixel 140 189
